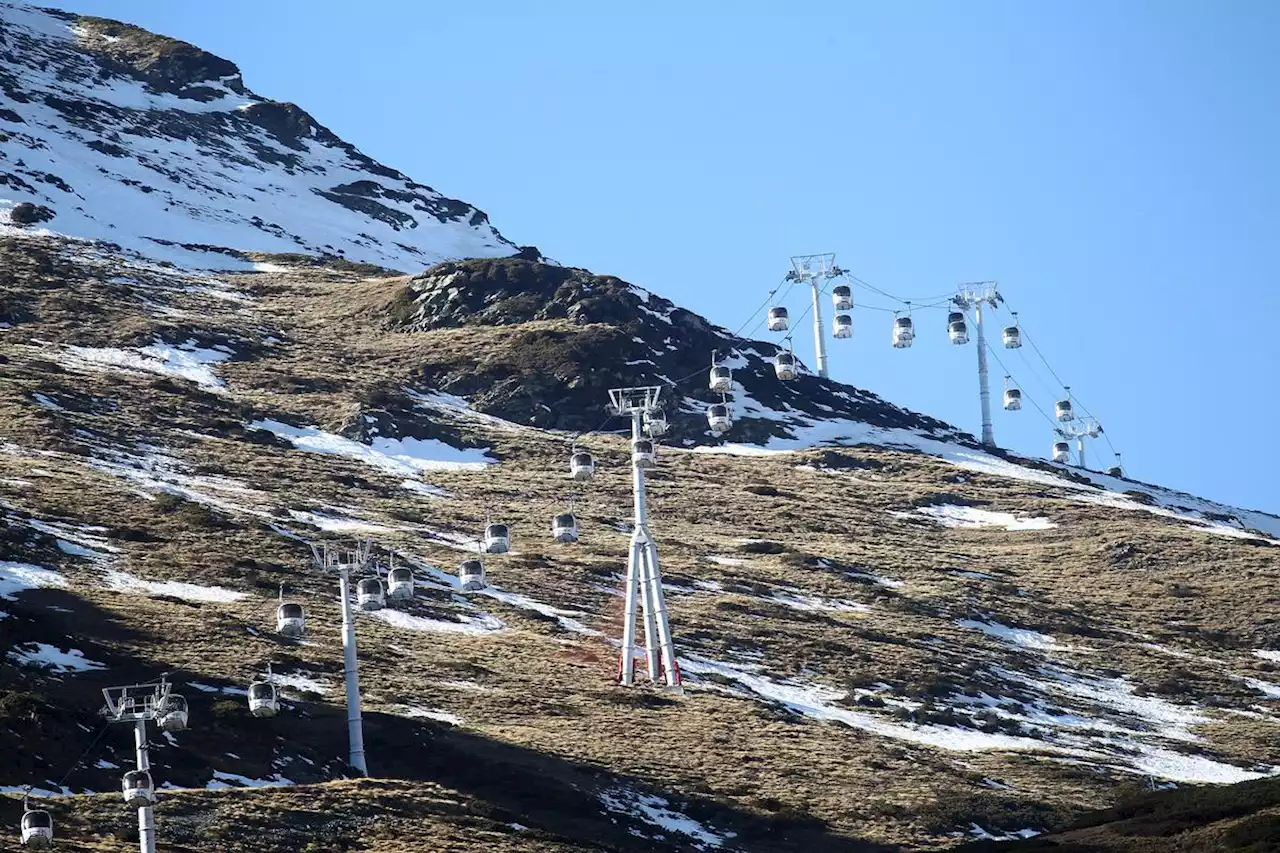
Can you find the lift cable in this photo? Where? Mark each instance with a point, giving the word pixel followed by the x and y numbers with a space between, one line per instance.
pixel 76 764
pixel 1025 395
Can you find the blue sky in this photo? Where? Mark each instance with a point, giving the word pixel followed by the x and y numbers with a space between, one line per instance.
pixel 1111 164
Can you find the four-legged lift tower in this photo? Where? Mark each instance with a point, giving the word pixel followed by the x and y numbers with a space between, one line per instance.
pixel 644 577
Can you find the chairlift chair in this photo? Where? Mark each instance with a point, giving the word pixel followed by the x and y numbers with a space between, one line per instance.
pixel 264 699
pixel 718 418
pixel 173 715
pixel 564 527
pixel 784 366
pixel 400 583
pixel 37 828
pixel 497 539
pixel 582 465
pixel 137 788
pixel 778 320
pixel 371 594
pixel 904 332
pixel 842 297
pixel 471 575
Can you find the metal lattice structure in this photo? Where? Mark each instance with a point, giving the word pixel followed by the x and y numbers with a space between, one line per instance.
pixel 644 575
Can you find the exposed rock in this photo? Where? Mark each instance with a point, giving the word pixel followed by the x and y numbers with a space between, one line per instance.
pixel 26 213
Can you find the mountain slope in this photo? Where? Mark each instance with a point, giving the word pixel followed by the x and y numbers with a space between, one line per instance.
pixel 155 145
pixel 891 638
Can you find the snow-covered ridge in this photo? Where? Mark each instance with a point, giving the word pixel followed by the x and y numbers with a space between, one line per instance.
pixel 157 163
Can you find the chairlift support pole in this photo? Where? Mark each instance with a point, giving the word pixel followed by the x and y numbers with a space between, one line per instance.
pixel 816 269
pixel 350 661
pixel 146 816
pixel 974 295
pixel 138 703
pixel 642 589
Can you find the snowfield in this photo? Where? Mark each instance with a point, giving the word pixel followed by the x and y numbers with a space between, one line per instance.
pixel 187 361
pixel 119 581
pixel 405 457
pixel 163 170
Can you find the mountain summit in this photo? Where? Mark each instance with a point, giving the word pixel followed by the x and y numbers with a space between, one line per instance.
pixel 110 132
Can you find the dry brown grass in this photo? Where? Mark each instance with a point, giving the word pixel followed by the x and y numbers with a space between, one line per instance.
pixel 1105 583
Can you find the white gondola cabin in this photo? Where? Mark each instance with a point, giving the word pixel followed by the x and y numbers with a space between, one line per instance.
pixel 1116 470
pixel 174 714
pixel 642 453
pixel 842 297
pixel 718 418
pixel 137 788
pixel 784 366
pixel 778 320
pixel 564 527
pixel 1061 452
pixel 582 465
pixel 264 699
pixel 400 583
pixel 1012 337
pixel 655 423
pixel 37 829
pixel 903 332
pixel 1012 399
pixel 1062 410
pixel 720 380
pixel 842 326
pixel 957 329
pixel 471 575
pixel 291 620
pixel 497 539
pixel 371 594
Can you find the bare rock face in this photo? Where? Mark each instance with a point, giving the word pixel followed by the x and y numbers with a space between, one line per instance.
pixel 570 335
pixel 26 213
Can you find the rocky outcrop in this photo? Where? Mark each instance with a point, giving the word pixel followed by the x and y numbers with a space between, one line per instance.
pixel 591 332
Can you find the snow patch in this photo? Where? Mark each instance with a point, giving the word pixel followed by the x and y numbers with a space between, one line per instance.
pixel 953 515
pixel 405 457
pixel 124 582
pixel 45 656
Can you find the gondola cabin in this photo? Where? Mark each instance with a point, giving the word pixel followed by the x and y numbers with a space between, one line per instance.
pixel 137 788
pixel 720 380
pixel 370 594
pixel 37 829
pixel 718 418
pixel 784 366
pixel 173 715
pixel 582 465
pixel 904 332
pixel 291 620
pixel 642 453
pixel 264 699
pixel 842 297
pixel 400 583
pixel 564 527
pixel 471 575
pixel 497 539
